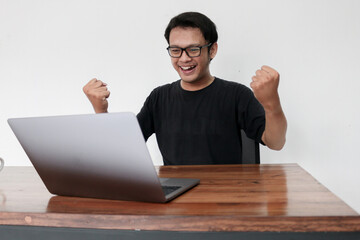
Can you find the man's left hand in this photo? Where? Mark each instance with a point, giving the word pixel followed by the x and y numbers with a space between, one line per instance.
pixel 265 85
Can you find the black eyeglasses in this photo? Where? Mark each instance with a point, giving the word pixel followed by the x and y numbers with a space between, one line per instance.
pixel 176 52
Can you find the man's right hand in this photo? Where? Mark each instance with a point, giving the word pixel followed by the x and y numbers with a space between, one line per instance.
pixel 97 93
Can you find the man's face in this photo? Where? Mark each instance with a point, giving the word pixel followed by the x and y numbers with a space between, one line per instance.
pixel 195 69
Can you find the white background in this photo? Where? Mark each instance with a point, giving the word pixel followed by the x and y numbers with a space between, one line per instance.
pixel 50 49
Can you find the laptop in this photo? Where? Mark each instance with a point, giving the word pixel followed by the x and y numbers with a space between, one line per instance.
pixel 96 156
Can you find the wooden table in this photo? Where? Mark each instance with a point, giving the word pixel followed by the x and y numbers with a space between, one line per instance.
pixel 278 201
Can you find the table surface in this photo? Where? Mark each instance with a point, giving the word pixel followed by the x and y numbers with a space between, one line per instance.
pixel 265 197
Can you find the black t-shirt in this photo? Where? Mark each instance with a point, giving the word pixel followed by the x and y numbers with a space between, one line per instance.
pixel 202 127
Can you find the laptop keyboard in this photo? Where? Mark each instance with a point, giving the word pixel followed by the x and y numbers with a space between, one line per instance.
pixel 169 189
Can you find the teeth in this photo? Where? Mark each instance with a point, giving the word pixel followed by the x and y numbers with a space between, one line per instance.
pixel 186 68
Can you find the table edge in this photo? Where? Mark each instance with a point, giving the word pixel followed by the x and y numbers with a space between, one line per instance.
pixel 186 223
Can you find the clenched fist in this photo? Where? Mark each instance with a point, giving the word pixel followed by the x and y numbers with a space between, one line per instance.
pixel 265 85
pixel 97 93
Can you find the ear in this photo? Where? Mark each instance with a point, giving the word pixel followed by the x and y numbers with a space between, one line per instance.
pixel 213 50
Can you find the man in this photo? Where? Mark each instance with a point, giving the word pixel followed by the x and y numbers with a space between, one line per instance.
pixel 197 119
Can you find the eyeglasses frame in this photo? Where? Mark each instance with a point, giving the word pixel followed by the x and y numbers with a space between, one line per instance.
pixel 184 49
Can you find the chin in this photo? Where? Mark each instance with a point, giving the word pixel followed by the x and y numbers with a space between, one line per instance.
pixel 188 79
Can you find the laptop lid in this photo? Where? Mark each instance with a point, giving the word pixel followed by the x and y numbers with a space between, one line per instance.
pixel 94 155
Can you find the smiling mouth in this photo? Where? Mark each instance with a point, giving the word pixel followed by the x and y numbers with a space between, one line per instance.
pixel 187 68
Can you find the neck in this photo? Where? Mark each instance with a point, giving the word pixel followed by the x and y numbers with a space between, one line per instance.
pixel 197 85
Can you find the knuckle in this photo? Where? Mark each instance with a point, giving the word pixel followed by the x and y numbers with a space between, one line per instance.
pixel 86 90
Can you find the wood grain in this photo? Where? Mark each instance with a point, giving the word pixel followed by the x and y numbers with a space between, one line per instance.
pixel 281 197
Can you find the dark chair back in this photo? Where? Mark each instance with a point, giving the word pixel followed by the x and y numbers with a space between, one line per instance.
pixel 250 150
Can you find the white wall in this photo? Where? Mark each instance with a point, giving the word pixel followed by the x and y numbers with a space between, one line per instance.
pixel 49 49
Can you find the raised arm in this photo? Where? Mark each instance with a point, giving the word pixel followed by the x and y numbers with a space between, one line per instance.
pixel 97 93
pixel 265 86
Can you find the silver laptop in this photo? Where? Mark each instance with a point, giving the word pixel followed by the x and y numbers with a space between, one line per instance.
pixel 95 155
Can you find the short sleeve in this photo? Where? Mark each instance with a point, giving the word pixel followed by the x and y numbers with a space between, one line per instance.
pixel 251 115
pixel 145 117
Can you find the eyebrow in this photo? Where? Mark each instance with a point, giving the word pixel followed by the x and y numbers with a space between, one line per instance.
pixel 191 45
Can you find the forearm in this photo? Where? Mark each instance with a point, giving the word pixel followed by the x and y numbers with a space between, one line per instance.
pixel 274 135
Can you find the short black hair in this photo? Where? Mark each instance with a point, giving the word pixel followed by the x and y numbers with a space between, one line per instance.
pixel 193 20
